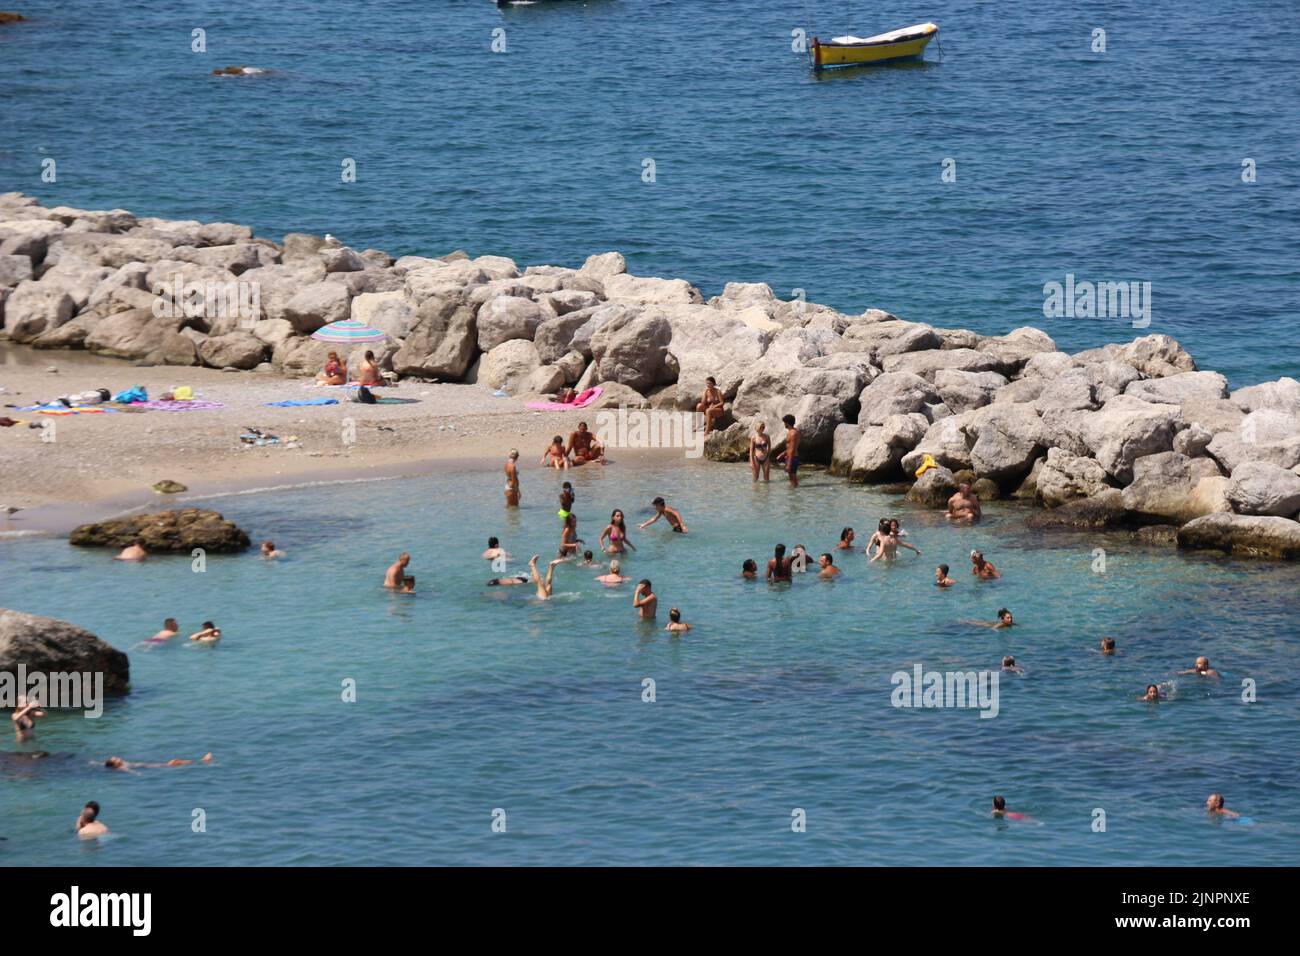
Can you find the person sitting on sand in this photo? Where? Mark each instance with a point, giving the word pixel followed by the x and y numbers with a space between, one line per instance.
pixel 269 551
pixel 982 569
pixel 644 600
pixel 675 622
pixel 88 825
pixel 555 455
pixel 210 634
pixel 760 449
pixel 169 630
pixel 846 540
pixel 396 578
pixel 1009 664
pixel 614 577
pixel 117 763
pixel 584 447
pixel 1214 804
pixel 663 511
pixel 334 373
pixel 24 718
pixel 512 478
pixel 1153 694
pixel 1108 645
pixel 133 552
pixel 749 570
pixel 778 566
pixel 1004 620
pixel 545 586
pixel 1000 810
pixel 711 405
pixel 369 374
pixel 964 505
pixel 887 545
pixel 614 540
pixel 941 578
pixel 828 568
pixel 1202 667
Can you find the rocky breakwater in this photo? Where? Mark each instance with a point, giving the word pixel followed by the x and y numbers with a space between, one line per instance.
pixel 1127 434
pixel 181 530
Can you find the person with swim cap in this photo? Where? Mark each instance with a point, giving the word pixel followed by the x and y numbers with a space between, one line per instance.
pixel 614 577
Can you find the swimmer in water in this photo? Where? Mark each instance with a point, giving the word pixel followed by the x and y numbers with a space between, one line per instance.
pixel 494 551
pixel 614 577
pixel 169 630
pixel 210 633
pixel 512 478
pixel 828 568
pixel 982 569
pixel 1009 664
pixel 269 552
pixel 749 570
pixel 614 539
pixel 887 546
pixel 508 582
pixel 675 622
pixel 569 540
pixel 555 456
pixel 396 578
pixel 133 552
pixel 1000 810
pixel 663 511
pixel 799 559
pixel 24 718
pixel 544 585
pixel 941 579
pixel 88 825
pixel 117 763
pixel 1108 646
pixel 778 567
pixel 587 561
pixel 1153 694
pixel 1004 620
pixel 644 600
pixel 1214 805
pixel 1202 667
pixel 846 540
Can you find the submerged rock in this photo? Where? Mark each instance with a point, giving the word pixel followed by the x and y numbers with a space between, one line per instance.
pixel 1250 535
pixel 49 646
pixel 177 531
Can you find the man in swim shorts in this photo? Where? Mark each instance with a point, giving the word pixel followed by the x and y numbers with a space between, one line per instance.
pixel 584 447
pixel 397 579
pixel 169 630
pixel 663 511
pixel 645 601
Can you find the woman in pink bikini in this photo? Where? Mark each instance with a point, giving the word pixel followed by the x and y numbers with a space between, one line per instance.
pixel 616 534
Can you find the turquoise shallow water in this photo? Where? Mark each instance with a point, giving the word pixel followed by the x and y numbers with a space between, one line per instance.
pixel 472 699
pixel 1123 166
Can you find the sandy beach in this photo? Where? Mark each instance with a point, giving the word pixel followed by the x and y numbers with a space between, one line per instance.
pixel 99 464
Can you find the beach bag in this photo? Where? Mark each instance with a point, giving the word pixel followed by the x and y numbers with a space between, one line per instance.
pixel 183 393
pixel 136 393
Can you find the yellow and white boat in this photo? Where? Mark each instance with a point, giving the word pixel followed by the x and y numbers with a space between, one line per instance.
pixel 901 44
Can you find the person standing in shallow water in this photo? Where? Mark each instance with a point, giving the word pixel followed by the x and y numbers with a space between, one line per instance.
pixel 512 478
pixel 645 601
pixel 792 439
pixel 760 450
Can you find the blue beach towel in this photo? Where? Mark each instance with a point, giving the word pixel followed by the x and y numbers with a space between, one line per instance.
pixel 295 402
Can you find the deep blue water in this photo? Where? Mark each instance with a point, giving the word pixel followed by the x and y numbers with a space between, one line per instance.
pixel 1117 166
pixel 471 699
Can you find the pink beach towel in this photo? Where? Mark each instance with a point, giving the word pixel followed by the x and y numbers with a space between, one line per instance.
pixel 181 406
pixel 580 401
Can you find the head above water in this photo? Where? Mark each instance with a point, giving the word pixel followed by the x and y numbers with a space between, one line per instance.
pixel 846 534
pixel 1202 663
pixel 659 503
pixel 826 560
pixel 170 624
pixel 90 811
pixel 614 566
pixel 674 615
pixel 749 567
pixel 493 543
pixel 1214 801
pixel 1108 643
pixel 943 570
pixel 1004 615
pixel 999 803
pixel 1008 662
pixel 113 763
pixel 586 556
pixel 779 551
pixel 209 626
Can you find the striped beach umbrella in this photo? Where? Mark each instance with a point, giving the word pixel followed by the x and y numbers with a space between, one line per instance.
pixel 348 332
